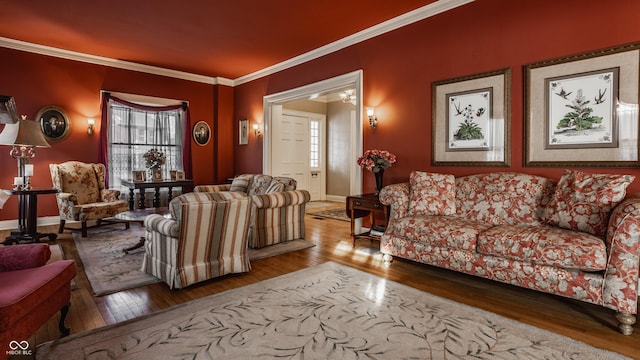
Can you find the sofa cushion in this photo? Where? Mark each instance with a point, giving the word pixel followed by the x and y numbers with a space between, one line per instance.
pixel 23 256
pixel 441 231
pixel 431 194
pixel 545 245
pixel 274 187
pixel 583 202
pixel 259 184
pixel 241 183
pixel 289 183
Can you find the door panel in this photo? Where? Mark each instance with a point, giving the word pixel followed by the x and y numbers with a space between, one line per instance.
pixel 291 149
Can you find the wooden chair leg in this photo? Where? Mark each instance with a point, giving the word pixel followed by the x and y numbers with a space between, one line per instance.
pixel 64 331
pixel 84 229
pixel 61 227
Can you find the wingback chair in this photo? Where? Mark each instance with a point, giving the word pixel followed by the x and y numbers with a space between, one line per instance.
pixel 205 237
pixel 277 210
pixel 82 195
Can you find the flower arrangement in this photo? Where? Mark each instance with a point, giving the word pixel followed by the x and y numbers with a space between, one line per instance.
pixel 376 160
pixel 154 159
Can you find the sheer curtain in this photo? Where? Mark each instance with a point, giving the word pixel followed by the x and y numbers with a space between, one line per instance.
pixel 128 130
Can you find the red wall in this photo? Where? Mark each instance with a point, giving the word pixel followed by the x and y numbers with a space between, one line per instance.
pixel 400 66
pixel 36 81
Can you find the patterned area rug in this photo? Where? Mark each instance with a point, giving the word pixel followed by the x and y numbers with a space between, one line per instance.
pixel 110 270
pixel 324 312
pixel 338 214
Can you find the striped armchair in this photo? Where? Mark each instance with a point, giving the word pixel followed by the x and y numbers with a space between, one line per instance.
pixel 277 211
pixel 205 238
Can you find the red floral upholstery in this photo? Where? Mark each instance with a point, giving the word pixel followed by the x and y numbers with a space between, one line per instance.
pixel 583 202
pixel 431 194
pixel 498 232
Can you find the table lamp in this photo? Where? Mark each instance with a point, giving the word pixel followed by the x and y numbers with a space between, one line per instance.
pixel 23 137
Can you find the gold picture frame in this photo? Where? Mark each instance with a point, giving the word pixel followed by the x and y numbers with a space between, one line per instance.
pixel 54 123
pixel 139 176
pixel 201 133
pixel 156 175
pixel 582 110
pixel 471 117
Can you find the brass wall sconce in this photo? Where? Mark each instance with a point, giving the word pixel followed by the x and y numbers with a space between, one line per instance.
pixel 90 121
pixel 256 130
pixel 373 119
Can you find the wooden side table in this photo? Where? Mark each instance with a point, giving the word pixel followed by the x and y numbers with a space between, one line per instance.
pixel 28 217
pixel 362 205
pixel 153 184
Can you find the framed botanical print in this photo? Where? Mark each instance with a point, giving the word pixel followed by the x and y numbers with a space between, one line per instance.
pixel 582 110
pixel 243 129
pixel 471 120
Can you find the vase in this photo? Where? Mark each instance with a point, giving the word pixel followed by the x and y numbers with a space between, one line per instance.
pixel 378 176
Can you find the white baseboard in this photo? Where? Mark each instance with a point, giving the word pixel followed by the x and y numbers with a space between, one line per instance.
pixel 336 198
pixel 42 221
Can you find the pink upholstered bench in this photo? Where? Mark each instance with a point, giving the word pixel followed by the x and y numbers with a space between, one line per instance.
pixel 31 291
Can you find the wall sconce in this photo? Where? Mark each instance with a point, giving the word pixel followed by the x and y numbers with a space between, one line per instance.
pixel 256 129
pixel 373 119
pixel 90 121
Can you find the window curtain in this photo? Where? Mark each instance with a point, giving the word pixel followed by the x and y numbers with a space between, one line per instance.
pixel 104 133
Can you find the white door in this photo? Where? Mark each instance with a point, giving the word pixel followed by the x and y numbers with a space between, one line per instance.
pixel 298 149
pixel 291 149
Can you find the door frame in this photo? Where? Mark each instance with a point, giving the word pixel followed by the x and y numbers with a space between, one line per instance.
pixel 351 80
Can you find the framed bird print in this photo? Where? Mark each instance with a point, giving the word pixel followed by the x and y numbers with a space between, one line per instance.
pixel 471 120
pixel 582 110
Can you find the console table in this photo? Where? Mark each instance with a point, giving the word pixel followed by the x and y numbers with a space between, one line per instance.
pixel 28 216
pixel 153 184
pixel 362 205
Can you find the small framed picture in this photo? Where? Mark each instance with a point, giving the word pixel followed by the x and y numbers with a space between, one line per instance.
pixel 201 133
pixel 179 175
pixel 172 174
pixel 139 176
pixel 157 175
pixel 244 132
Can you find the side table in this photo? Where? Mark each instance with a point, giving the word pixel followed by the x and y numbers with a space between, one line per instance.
pixel 28 216
pixel 362 205
pixel 153 184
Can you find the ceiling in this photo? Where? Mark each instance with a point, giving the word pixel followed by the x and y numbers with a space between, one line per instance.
pixel 216 38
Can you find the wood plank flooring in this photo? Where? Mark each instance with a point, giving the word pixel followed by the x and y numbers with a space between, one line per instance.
pixel 584 322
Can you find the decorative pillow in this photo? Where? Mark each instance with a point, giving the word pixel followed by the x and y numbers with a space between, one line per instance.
pixel 241 183
pixel 259 184
pixel 274 187
pixel 432 194
pixel 583 202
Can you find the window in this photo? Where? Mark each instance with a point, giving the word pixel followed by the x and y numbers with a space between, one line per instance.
pixel 133 131
pixel 314 133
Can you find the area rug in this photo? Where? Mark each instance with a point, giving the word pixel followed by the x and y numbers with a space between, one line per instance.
pixel 110 270
pixel 323 312
pixel 338 214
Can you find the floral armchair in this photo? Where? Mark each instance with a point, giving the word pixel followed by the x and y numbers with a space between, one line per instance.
pixel 82 195
pixel 206 237
pixel 277 210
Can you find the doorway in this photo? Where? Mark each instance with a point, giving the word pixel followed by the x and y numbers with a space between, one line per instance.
pixel 273 108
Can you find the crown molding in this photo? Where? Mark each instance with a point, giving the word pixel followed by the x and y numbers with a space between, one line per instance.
pixel 100 60
pixel 411 17
pixel 376 30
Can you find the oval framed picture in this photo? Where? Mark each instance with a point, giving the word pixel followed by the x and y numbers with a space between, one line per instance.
pixel 54 123
pixel 201 133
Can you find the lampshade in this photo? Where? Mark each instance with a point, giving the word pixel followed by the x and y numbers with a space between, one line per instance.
pixel 24 132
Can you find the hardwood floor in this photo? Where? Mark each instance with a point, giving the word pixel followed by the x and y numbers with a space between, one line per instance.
pixel 584 322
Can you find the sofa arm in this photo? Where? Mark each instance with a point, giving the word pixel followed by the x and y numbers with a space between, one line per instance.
pixel 397 197
pixel 109 195
pixel 160 224
pixel 623 243
pixel 281 199
pixel 23 256
pixel 212 188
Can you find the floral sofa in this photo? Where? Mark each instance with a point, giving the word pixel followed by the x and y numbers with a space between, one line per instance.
pixel 577 237
pixel 277 210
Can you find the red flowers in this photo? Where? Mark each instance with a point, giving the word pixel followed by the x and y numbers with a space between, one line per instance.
pixel 376 160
